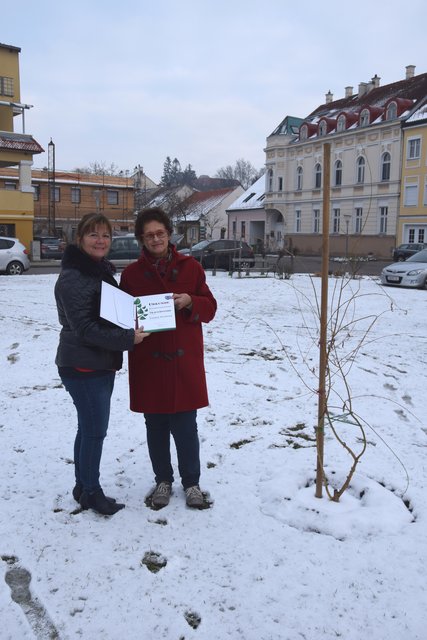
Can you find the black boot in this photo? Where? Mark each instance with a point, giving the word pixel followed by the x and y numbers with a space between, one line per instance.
pixel 98 502
pixel 78 490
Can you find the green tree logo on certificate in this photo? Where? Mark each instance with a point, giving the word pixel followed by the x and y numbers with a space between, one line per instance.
pixel 141 311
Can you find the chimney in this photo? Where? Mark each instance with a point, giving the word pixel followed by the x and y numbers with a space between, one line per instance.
pixel 329 97
pixel 363 87
pixel 410 71
pixel 348 92
pixel 376 81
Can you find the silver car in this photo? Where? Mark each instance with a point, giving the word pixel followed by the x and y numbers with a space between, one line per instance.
pixel 411 273
pixel 14 258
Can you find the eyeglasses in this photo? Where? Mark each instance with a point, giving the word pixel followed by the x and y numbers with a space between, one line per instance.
pixel 151 236
pixel 99 236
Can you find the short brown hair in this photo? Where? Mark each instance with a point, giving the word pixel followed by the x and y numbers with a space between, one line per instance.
pixel 89 222
pixel 149 215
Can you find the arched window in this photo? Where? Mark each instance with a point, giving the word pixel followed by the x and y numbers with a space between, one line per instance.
pixel 391 113
pixel 299 178
pixel 303 132
pixel 270 180
pixel 360 167
pixel 385 166
pixel 341 123
pixel 338 173
pixel 364 118
pixel 322 128
pixel 317 176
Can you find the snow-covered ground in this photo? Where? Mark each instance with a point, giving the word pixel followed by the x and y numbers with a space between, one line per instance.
pixel 269 560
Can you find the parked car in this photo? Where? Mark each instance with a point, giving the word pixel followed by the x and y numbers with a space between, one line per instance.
pixel 411 273
pixel 51 248
pixel 222 254
pixel 124 250
pixel 404 251
pixel 14 258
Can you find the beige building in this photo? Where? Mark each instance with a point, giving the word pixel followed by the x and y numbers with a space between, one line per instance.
pixel 364 130
pixel 16 150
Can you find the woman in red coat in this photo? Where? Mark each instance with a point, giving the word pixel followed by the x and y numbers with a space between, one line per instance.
pixel 166 372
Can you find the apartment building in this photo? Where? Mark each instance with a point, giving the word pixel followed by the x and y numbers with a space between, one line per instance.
pixel 365 134
pixel 17 149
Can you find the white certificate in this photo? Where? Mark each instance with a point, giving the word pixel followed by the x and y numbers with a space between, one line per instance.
pixel 154 313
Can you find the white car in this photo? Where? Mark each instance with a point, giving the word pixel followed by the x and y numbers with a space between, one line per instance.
pixel 14 258
pixel 411 273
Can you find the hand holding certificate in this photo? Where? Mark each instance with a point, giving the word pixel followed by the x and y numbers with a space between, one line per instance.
pixel 154 313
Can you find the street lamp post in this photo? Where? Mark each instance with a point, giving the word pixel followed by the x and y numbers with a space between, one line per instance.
pixel 347 217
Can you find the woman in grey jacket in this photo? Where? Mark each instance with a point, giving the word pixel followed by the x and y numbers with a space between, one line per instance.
pixel 90 351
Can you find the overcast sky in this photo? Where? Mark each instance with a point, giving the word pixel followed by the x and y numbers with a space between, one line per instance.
pixel 205 81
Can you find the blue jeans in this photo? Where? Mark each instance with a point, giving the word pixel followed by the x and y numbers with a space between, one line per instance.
pixel 183 427
pixel 91 397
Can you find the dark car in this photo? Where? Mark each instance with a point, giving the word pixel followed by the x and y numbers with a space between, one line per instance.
pixel 127 249
pixel 124 249
pixel 222 254
pixel 51 248
pixel 404 251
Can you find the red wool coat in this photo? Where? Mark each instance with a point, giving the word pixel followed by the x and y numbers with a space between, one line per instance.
pixel 166 371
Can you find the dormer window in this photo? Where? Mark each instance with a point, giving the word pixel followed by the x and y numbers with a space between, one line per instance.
pixel 341 123
pixel 304 132
pixel 322 128
pixel 391 112
pixel 364 118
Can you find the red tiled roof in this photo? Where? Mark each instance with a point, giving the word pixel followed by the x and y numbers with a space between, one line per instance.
pixel 19 142
pixel 412 89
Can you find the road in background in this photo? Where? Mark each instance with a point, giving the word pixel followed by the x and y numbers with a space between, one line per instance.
pixel 302 264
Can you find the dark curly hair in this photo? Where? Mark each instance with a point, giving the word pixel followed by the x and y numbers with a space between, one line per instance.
pixel 149 215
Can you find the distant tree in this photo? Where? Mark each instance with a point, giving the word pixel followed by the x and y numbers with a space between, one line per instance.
pixel 243 171
pixel 99 169
pixel 174 176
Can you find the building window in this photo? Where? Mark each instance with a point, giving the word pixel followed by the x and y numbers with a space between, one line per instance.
pixel 411 236
pixel 411 195
pixel 303 132
pixel 193 234
pixel 391 112
pixel 322 128
pixel 112 197
pixel 280 184
pixel 270 180
pixel 36 192
pixel 316 220
pixel 358 220
pixel 75 195
pixel 6 86
pixel 243 229
pixel 336 220
pixel 383 219
pixel 338 173
pixel 10 186
pixel 251 195
pixel 425 193
pixel 299 178
pixel 55 194
pixel 234 228
pixel 360 166
pixel 385 166
pixel 297 220
pixel 364 118
pixel 317 176
pixel 414 148
pixel 341 123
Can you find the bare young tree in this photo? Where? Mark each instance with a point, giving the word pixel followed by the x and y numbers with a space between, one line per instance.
pixel 243 171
